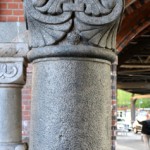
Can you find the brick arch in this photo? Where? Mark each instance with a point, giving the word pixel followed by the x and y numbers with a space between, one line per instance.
pixel 136 19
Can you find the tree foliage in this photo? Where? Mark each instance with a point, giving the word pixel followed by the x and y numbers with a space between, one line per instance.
pixel 124 100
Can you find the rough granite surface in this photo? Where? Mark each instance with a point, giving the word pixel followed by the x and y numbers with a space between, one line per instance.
pixel 13 32
pixel 10 115
pixel 12 78
pixel 72 43
pixel 71 106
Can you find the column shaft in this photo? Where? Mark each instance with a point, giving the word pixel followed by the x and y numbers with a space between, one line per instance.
pixel 71 105
pixel 10 111
pixel 11 83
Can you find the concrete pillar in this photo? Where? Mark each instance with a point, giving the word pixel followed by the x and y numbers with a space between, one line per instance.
pixel 133 110
pixel 12 79
pixel 71 49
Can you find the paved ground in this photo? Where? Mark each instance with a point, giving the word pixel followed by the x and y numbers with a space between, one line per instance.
pixel 130 141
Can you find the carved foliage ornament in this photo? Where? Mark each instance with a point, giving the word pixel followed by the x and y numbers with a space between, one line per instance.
pixel 95 21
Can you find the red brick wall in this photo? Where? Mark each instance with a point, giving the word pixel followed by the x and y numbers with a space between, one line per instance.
pixel 11 11
pixel 26 103
pixel 114 104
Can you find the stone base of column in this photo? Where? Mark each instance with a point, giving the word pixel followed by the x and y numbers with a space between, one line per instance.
pixel 13 146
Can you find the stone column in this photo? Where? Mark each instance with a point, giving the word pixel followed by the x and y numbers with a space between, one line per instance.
pixel 12 79
pixel 72 47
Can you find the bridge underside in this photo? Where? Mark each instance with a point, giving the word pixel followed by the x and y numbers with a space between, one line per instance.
pixel 134 65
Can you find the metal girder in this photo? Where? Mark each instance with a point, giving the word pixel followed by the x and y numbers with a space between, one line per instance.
pixel 136 66
pixel 133 85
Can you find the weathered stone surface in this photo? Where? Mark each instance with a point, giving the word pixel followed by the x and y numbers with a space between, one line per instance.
pixel 71 93
pixel 12 70
pixel 12 79
pixel 96 23
pixel 71 105
pixel 10 114
pixel 71 51
pixel 13 146
pixel 17 30
pixel 13 49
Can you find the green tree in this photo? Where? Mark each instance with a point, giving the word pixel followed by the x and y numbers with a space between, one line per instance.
pixel 123 98
pixel 143 103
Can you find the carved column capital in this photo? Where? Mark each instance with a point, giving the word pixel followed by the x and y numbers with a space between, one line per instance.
pixel 75 28
pixel 12 70
pixel 12 63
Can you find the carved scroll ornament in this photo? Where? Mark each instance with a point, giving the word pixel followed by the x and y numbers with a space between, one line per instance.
pixel 50 22
pixel 12 70
pixel 7 71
